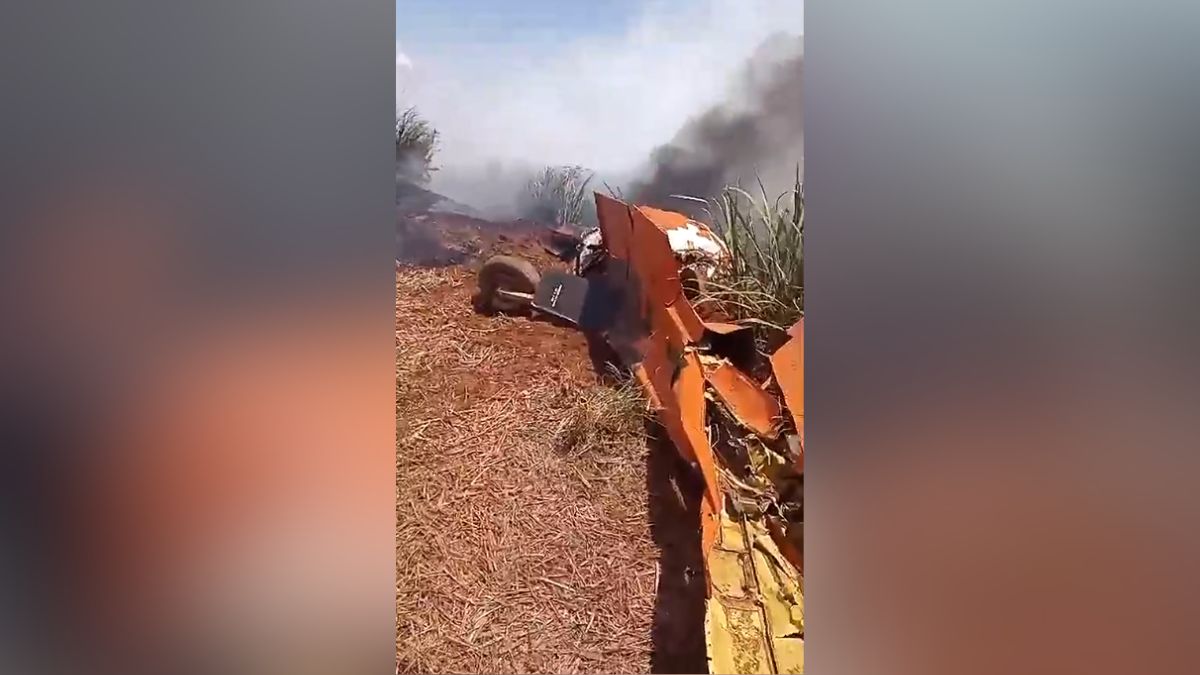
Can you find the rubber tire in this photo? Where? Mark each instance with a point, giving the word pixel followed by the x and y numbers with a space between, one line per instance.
pixel 510 274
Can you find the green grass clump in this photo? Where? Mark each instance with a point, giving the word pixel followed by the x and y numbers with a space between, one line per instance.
pixel 416 144
pixel 558 195
pixel 764 280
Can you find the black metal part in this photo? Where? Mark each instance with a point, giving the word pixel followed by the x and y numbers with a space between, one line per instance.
pixel 589 304
pixel 737 346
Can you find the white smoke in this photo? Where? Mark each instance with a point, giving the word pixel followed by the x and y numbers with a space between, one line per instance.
pixel 604 102
pixel 404 66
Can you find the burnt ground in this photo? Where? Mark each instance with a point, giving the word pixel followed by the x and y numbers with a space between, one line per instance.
pixel 541 526
pixel 441 238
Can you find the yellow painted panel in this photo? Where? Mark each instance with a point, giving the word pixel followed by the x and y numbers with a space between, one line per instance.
pixel 736 639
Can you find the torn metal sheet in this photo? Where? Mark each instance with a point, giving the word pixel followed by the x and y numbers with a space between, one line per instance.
pixel 654 261
pixel 750 405
pixel 754 620
pixel 789 537
pixel 696 247
pixel 754 613
pixel 721 328
pixel 646 255
pixel 591 251
pixel 788 365
pixel 782 593
pixel 616 227
pixel 686 234
pixel 694 237
pixel 687 239
pixel 689 392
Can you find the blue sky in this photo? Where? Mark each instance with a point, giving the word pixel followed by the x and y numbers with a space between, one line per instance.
pixel 422 24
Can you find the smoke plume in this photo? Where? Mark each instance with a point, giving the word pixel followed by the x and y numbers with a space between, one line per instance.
pixel 508 107
pixel 756 134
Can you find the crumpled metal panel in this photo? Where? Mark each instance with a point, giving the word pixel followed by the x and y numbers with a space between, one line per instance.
pixel 754 620
pixel 681 410
pixel 687 238
pixel 788 365
pixel 615 225
pixel 591 251
pixel 750 405
pixel 735 625
pixel 656 265
pixel 693 412
pixel 754 613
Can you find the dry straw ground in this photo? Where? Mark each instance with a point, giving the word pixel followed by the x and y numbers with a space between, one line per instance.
pixel 524 541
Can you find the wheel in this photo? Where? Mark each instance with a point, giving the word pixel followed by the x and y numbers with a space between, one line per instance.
pixel 503 272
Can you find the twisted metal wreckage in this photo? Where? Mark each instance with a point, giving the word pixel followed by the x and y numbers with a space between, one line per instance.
pixel 636 284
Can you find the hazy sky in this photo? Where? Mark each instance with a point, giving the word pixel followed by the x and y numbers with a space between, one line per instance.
pixel 599 83
pixel 424 24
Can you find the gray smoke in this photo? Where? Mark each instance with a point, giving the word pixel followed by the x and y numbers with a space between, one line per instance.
pixel 756 133
pixel 603 99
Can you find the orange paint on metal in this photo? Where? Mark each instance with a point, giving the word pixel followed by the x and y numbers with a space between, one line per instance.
pixel 654 261
pixel 676 380
pixel 692 410
pixel 668 327
pixel 657 374
pixel 788 365
pixel 682 411
pixel 753 407
pixel 672 376
pixel 710 526
pixel 724 328
pixel 616 229
pixel 684 316
pixel 667 220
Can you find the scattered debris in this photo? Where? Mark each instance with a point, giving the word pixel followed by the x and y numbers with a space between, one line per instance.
pixel 742 439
